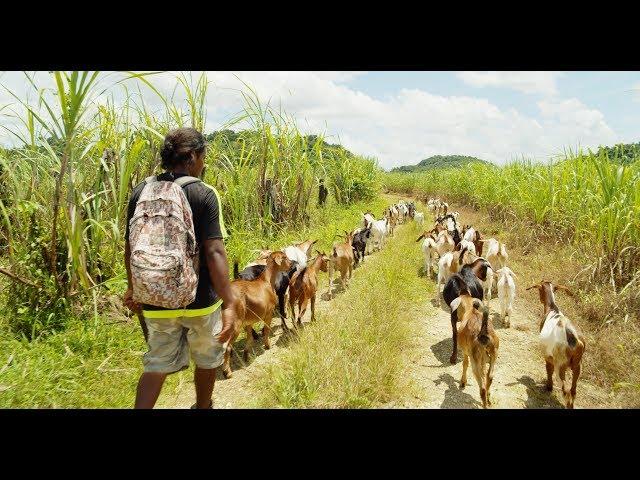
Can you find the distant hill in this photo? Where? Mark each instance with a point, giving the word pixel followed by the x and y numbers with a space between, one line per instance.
pixel 439 161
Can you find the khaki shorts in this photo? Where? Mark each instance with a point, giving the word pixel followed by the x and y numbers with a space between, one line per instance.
pixel 171 340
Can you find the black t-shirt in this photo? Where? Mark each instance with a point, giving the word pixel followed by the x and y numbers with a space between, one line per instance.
pixel 207 224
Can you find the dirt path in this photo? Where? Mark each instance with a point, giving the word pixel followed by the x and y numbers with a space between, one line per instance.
pixel 519 372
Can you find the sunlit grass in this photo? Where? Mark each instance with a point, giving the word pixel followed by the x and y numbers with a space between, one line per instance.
pixel 356 353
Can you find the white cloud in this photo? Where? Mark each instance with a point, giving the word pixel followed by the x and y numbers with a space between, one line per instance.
pixel 636 92
pixel 576 123
pixel 404 127
pixel 526 82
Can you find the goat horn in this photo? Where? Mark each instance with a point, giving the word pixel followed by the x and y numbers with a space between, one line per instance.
pixel 563 287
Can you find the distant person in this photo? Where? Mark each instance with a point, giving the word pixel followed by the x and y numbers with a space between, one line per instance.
pixel 177 270
pixel 322 193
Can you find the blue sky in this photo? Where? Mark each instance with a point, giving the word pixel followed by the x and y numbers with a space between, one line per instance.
pixel 402 117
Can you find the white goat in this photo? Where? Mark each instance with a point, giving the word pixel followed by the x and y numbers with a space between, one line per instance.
pixel 404 212
pixel 470 234
pixel 444 272
pixel 496 254
pixel 367 219
pixel 419 218
pixel 506 293
pixel 378 233
pixel 470 246
pixel 429 251
pixel 487 285
pixel 434 245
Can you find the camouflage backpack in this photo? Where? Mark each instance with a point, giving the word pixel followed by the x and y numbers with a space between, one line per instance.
pixel 164 256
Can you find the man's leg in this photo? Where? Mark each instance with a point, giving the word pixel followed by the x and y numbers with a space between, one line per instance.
pixel 206 352
pixel 149 387
pixel 167 353
pixel 205 379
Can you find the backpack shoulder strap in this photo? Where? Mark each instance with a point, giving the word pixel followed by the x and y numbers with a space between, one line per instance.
pixel 187 180
pixel 223 228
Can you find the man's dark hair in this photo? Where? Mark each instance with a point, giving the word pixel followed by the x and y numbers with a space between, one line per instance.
pixel 178 146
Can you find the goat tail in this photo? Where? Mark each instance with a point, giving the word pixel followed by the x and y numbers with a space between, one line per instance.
pixel 236 272
pixel 483 336
pixel 571 337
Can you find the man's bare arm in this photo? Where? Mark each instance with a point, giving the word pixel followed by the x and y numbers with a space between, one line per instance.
pixel 216 258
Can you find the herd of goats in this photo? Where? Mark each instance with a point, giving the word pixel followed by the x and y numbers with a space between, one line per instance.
pixel 288 276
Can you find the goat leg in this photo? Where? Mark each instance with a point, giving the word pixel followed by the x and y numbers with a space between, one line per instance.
pixel 266 331
pixel 575 370
pixel 465 365
pixel 254 334
pixel 454 354
pixel 478 372
pixel 283 313
pixel 302 309
pixel 292 307
pixel 565 388
pixel 549 384
pixel 492 362
pixel 248 342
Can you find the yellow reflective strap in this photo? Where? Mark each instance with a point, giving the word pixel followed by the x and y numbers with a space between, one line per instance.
pixel 220 217
pixel 197 312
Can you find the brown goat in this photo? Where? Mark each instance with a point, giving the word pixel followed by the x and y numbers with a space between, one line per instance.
pixel 342 260
pixel 478 342
pixel 563 346
pixel 256 301
pixel 393 221
pixel 303 287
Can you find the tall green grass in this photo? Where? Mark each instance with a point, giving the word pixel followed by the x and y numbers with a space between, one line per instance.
pixel 66 184
pixel 589 200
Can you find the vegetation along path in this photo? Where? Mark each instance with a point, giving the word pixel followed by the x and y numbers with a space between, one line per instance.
pixel 329 365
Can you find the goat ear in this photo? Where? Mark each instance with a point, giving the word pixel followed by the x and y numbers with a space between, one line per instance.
pixel 278 260
pixel 455 303
pixel 534 286
pixel 477 303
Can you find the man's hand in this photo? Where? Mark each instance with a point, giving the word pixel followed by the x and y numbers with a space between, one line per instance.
pixel 130 303
pixel 228 324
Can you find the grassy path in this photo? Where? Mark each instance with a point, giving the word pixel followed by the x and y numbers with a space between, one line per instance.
pixel 384 344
